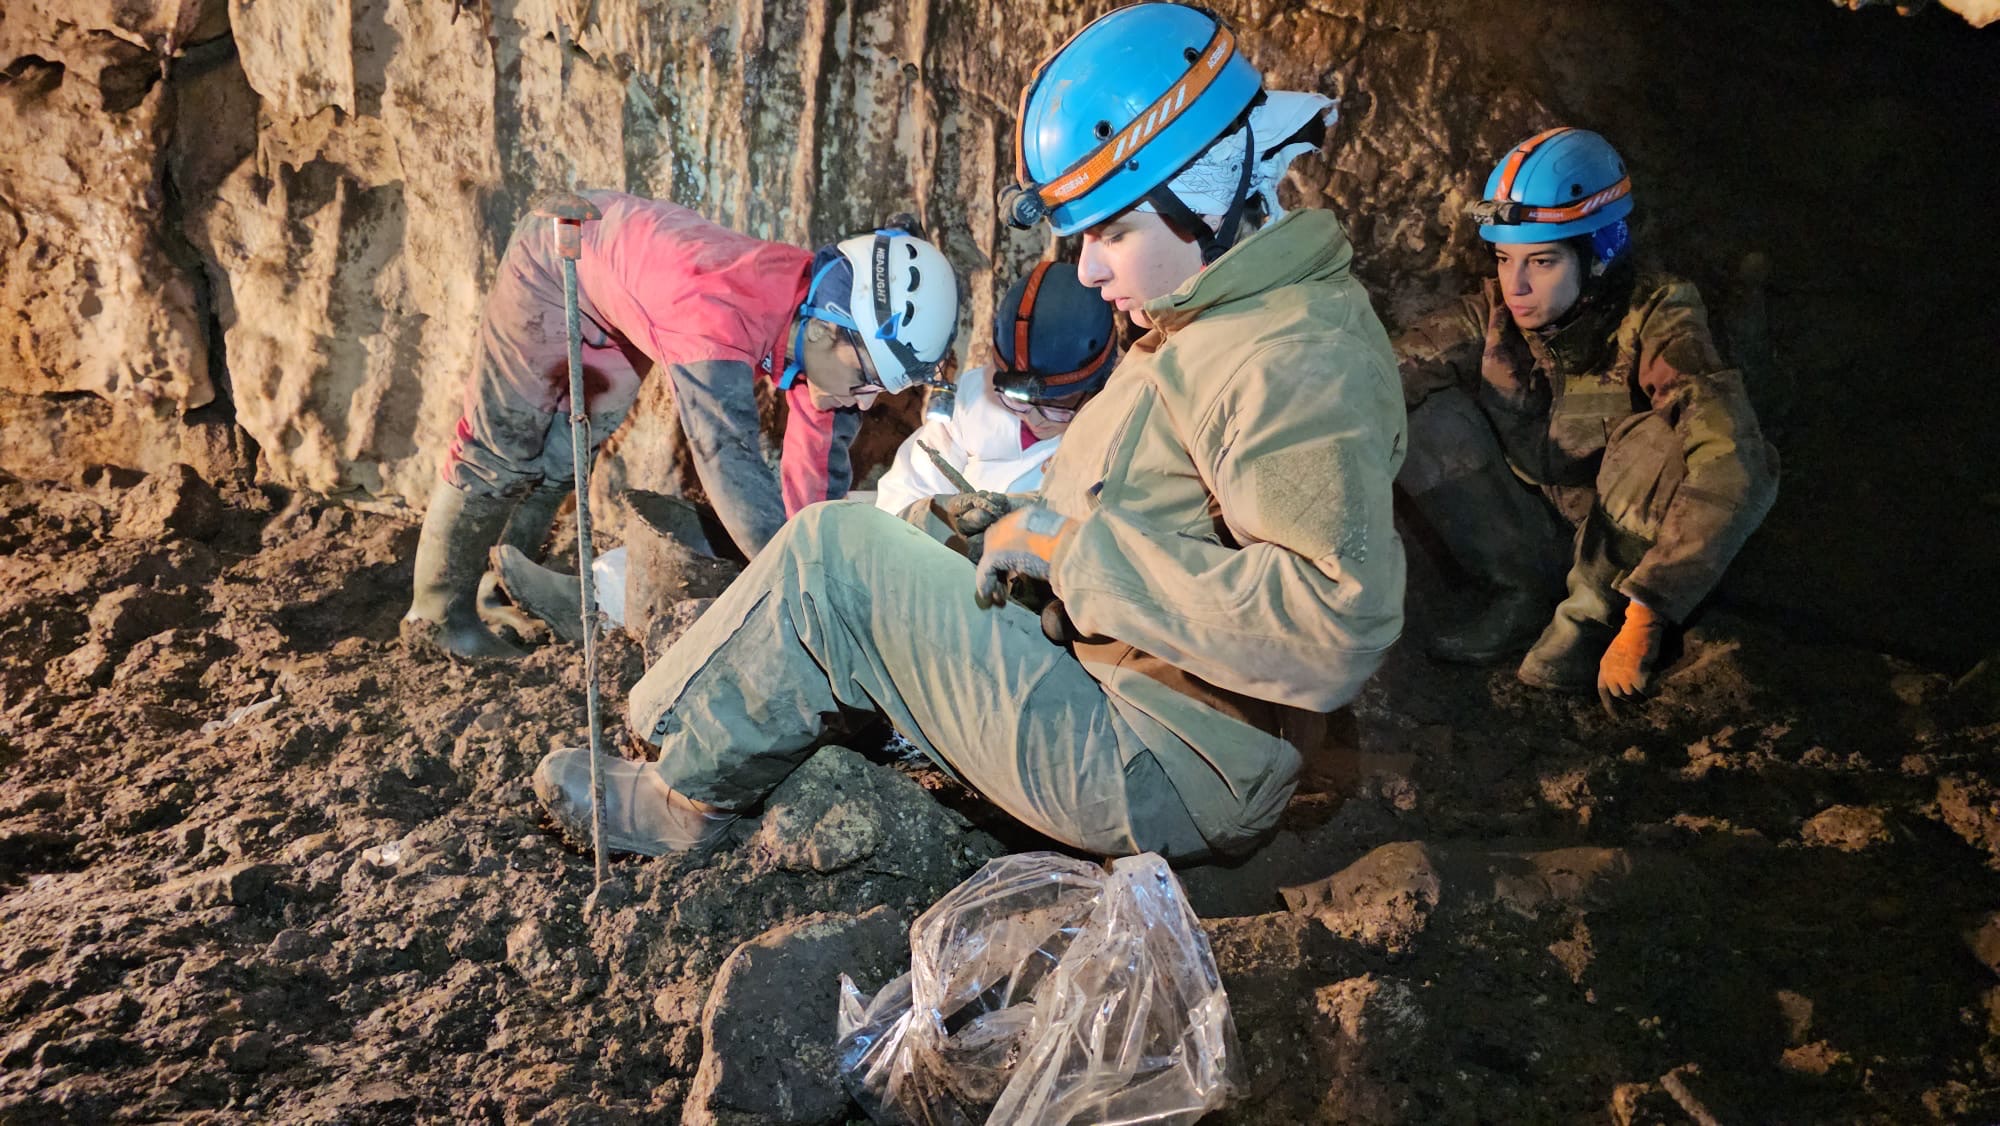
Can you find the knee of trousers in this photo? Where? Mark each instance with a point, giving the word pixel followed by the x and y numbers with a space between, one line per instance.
pixel 841 527
pixel 857 544
pixel 1450 439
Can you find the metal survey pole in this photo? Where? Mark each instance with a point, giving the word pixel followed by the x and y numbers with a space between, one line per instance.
pixel 568 211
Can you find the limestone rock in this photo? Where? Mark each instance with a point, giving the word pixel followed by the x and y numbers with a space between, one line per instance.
pixel 1970 807
pixel 174 503
pixel 133 612
pixel 1369 1027
pixel 233 885
pixel 1849 828
pixel 95 301
pixel 767 1031
pixel 839 810
pixel 1382 900
pixel 1984 941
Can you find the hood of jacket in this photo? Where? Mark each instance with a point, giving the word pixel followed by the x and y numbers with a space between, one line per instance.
pixel 1305 245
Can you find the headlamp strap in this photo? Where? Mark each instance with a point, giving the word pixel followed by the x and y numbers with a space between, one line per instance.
pixel 795 362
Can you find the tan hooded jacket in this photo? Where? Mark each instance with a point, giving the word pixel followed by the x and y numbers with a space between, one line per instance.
pixel 1233 550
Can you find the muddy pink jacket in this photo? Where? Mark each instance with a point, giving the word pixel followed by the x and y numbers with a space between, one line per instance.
pixel 680 289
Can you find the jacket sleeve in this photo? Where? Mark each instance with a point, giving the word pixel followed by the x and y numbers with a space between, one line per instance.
pixel 1442 349
pixel 912 477
pixel 1732 476
pixel 1298 452
pixel 815 464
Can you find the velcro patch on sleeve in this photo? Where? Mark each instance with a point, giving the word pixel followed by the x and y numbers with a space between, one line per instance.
pixel 1310 499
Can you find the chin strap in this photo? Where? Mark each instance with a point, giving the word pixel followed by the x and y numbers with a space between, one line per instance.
pixel 1178 215
pixel 795 363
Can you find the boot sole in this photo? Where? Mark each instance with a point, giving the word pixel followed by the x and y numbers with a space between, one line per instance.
pixel 1548 680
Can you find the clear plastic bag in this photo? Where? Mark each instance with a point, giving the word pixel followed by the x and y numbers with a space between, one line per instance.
pixel 1044 991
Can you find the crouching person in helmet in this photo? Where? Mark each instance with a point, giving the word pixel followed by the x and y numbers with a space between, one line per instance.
pixel 1217 522
pixel 660 286
pixel 1054 342
pixel 1576 400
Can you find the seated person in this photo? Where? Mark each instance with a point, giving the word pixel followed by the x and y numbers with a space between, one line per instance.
pixel 1054 342
pixel 1576 399
pixel 1217 525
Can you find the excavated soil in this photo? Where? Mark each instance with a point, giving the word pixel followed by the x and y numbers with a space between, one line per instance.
pixel 261 861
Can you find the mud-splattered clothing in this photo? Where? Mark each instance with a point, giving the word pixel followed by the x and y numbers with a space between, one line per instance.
pixel 658 285
pixel 1233 553
pixel 1637 364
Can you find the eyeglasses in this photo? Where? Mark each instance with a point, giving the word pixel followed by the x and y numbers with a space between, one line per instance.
pixel 1049 410
pixel 871 384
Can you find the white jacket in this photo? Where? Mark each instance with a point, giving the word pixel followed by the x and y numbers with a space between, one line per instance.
pixel 982 439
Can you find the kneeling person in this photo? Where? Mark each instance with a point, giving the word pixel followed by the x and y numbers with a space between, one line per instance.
pixel 714 310
pixel 1574 398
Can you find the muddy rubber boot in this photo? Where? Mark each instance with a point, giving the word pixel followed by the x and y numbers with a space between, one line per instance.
pixel 500 613
pixel 459 527
pixel 1566 656
pixel 1495 532
pixel 528 528
pixel 526 533
pixel 553 596
pixel 641 813
pixel 1511 619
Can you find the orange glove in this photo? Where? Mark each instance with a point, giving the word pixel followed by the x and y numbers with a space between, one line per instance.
pixel 1023 542
pixel 1626 672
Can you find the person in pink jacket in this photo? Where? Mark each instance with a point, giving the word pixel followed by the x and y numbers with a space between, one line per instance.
pixel 661 287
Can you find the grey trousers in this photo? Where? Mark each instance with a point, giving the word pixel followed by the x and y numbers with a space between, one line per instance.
pixel 850 611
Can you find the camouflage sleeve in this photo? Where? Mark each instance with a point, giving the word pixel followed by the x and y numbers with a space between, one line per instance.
pixel 1442 349
pixel 1732 475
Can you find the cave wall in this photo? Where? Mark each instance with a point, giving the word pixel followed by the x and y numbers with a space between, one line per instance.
pixel 262 228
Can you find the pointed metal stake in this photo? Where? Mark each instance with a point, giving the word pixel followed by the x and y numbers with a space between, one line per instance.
pixel 569 211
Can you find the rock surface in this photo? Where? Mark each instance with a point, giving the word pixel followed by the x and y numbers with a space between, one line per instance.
pixel 766 1056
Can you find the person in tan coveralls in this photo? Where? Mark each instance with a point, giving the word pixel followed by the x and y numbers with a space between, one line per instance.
pixel 1575 398
pixel 1217 525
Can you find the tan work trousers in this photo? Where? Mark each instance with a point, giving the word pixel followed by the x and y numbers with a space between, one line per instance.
pixel 851 611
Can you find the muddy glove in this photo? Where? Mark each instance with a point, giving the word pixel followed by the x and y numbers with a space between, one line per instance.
pixel 969 514
pixel 1626 671
pixel 1022 544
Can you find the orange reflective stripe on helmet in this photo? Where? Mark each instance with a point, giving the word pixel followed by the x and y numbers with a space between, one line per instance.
pixel 1579 209
pixel 1109 156
pixel 1090 366
pixel 1519 157
pixel 1023 312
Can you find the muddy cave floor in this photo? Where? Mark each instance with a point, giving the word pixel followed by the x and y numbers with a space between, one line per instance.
pixel 1768 895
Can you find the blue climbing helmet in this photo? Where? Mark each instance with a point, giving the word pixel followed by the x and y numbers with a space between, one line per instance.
pixel 1053 336
pixel 1560 184
pixel 1120 109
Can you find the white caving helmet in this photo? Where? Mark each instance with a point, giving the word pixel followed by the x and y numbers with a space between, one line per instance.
pixel 897 293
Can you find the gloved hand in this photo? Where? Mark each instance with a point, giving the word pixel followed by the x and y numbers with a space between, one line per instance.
pixel 969 514
pixel 1626 671
pixel 1022 543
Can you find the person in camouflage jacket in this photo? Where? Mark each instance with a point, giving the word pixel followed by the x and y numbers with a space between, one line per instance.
pixel 1574 393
